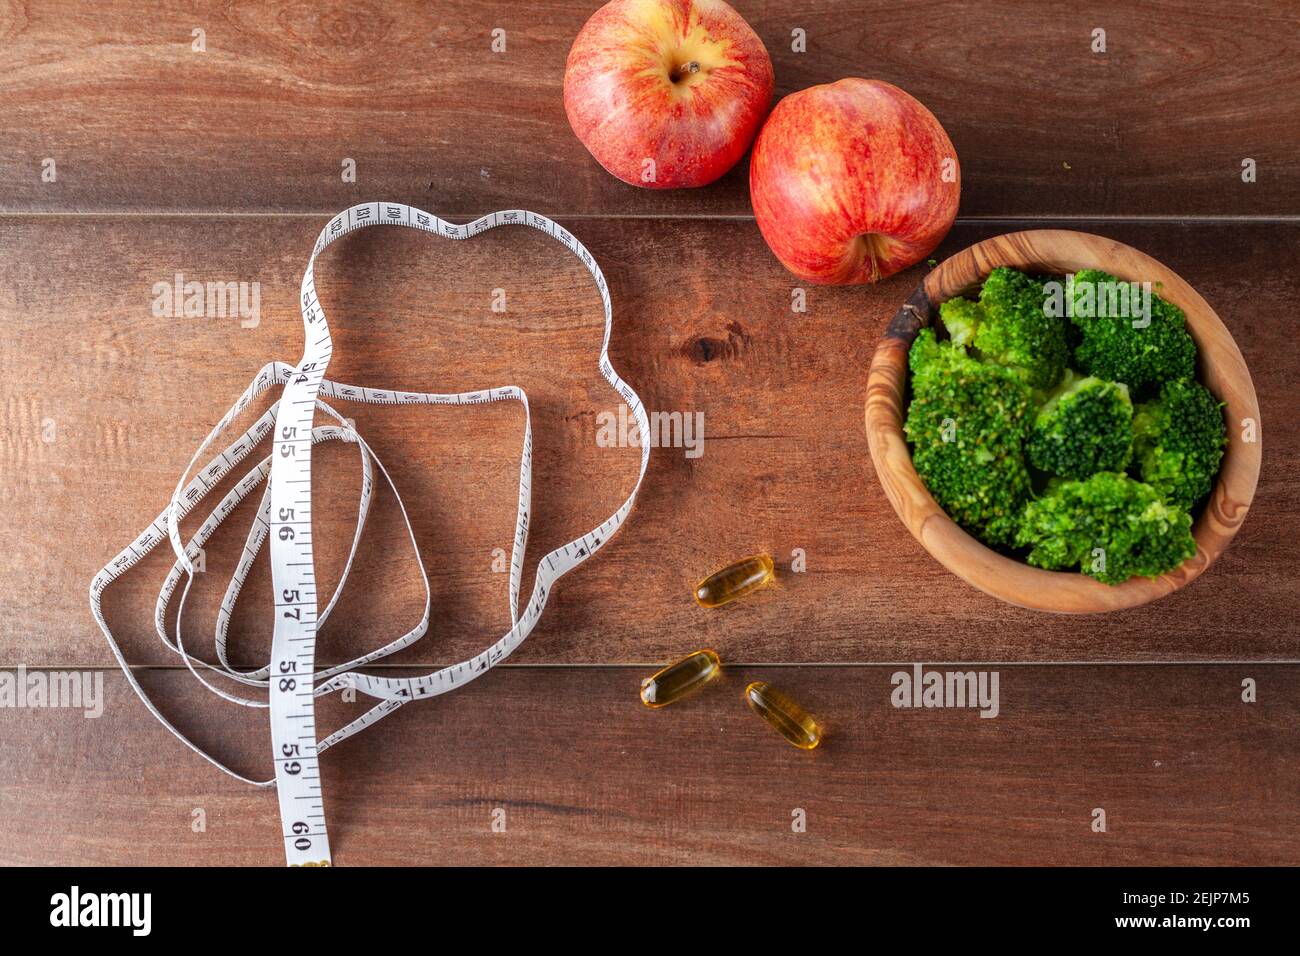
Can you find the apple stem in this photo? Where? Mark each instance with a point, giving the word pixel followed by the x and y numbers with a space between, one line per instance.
pixel 871 243
pixel 681 72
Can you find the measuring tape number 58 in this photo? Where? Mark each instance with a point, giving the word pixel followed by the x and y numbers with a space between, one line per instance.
pixel 291 680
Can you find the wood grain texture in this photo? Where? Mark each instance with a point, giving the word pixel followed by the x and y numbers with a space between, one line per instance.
pixel 785 462
pixel 1220 368
pixel 1186 772
pixel 103 401
pixel 1158 124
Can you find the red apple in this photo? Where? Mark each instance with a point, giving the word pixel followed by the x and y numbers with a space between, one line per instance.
pixel 853 181
pixel 667 93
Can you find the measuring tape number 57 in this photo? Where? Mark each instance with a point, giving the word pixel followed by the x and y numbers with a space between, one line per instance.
pixel 291 680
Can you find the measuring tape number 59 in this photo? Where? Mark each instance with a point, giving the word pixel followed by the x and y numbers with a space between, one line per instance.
pixel 291 680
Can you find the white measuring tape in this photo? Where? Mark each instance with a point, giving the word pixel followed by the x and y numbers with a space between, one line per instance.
pixel 284 516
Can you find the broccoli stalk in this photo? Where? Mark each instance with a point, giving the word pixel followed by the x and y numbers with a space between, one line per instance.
pixel 967 423
pixel 1086 426
pixel 1010 325
pixel 1109 527
pixel 1178 442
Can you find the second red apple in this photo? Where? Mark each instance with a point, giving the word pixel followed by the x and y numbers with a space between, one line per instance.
pixel 853 181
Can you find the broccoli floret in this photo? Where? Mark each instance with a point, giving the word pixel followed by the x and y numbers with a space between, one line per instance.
pixel 1010 325
pixel 961 317
pixel 1178 442
pixel 929 358
pixel 996 399
pixel 1113 348
pixel 1109 527
pixel 1086 426
pixel 967 422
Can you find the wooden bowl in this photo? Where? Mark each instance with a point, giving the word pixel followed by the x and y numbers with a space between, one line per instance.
pixel 1220 368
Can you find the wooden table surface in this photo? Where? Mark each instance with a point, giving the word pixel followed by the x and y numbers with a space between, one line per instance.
pixel 223 164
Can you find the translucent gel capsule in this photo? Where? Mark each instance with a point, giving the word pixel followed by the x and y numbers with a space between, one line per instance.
pixel 735 580
pixel 789 719
pixel 680 678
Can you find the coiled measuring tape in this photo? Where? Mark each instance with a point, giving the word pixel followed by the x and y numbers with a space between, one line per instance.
pixel 284 518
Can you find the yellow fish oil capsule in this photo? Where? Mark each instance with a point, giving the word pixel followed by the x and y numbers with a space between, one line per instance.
pixel 735 580
pixel 680 678
pixel 789 719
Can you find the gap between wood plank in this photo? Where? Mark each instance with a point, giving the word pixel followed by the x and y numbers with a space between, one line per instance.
pixel 1262 662
pixel 689 217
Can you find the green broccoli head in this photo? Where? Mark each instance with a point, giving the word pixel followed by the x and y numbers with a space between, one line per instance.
pixel 967 423
pixel 1010 325
pixel 1113 348
pixel 1108 526
pixel 962 318
pixel 929 358
pixel 1086 426
pixel 1178 442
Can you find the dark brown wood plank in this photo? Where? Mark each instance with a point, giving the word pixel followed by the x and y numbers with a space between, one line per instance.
pixel 135 120
pixel 785 462
pixel 1186 772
